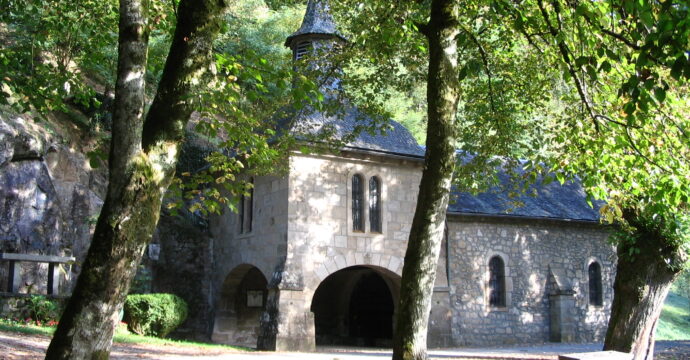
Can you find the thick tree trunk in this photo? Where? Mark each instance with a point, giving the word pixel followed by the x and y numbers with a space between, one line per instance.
pixel 642 283
pixel 141 168
pixel 419 271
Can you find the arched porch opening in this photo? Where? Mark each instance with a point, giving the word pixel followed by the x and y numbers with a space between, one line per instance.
pixel 355 306
pixel 241 303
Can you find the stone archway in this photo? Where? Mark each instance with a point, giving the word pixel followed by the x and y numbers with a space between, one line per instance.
pixel 356 306
pixel 241 303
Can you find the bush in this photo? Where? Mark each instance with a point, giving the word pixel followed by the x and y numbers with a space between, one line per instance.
pixel 41 309
pixel 154 314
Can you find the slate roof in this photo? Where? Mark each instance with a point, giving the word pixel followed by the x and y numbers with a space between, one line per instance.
pixel 395 140
pixel 552 201
pixel 317 20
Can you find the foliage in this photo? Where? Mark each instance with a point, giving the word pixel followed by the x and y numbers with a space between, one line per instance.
pixel 620 117
pixel 499 105
pixel 41 310
pixel 47 44
pixel 154 314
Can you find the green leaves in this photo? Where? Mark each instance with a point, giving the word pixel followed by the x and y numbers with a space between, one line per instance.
pixel 680 68
pixel 52 41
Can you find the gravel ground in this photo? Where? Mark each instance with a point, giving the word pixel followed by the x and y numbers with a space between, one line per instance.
pixel 14 346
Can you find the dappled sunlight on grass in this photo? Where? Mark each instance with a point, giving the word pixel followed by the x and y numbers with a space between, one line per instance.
pixel 674 323
pixel 121 336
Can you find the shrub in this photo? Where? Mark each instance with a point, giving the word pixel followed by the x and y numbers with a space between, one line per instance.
pixel 41 309
pixel 154 314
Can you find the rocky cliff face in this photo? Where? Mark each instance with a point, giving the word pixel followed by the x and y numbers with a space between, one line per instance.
pixel 49 197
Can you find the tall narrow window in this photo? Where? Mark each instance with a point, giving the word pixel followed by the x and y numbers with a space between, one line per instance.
pixel 497 282
pixel 246 209
pixel 357 203
pixel 375 204
pixel 595 293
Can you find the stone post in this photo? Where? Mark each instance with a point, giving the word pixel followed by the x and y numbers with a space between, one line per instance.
pixel 562 325
pixel 562 322
pixel 287 324
pixel 14 277
pixel 439 333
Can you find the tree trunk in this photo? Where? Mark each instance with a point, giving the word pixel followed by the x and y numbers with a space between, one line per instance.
pixel 421 257
pixel 141 168
pixel 642 283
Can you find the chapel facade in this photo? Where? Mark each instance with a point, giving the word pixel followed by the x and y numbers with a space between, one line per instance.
pixel 315 256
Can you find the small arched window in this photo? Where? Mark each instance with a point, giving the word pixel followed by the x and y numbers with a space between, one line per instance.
pixel 595 293
pixel 497 282
pixel 375 204
pixel 357 203
pixel 302 49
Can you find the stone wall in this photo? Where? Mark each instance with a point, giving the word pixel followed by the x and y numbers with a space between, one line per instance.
pixel 49 197
pixel 535 252
pixel 234 254
pixel 320 236
pixel 182 267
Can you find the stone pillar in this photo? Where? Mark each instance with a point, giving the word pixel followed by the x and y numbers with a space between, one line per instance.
pixel 439 329
pixel 14 276
pixel 562 320
pixel 287 324
pixel 562 310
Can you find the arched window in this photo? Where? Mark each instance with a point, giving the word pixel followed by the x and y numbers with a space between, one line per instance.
pixel 595 293
pixel 375 204
pixel 302 49
pixel 497 282
pixel 357 203
pixel 246 209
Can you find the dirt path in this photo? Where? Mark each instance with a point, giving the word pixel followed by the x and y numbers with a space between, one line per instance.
pixel 15 346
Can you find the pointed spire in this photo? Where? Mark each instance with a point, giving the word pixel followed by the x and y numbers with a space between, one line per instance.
pixel 317 21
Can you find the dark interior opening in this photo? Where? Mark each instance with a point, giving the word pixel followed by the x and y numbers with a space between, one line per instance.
pixel 354 307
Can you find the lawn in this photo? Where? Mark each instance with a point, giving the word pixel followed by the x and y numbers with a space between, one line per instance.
pixel 121 336
pixel 674 323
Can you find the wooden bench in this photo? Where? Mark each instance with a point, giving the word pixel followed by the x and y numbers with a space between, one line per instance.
pixel 14 275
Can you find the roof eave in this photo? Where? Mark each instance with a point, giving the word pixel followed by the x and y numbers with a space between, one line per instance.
pixel 521 217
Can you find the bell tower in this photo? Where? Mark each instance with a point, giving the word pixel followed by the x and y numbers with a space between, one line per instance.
pixel 318 33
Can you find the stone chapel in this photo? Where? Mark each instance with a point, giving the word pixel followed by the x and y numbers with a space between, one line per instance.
pixel 315 257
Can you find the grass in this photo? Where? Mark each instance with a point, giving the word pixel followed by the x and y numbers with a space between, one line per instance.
pixel 121 336
pixel 674 323
pixel 26 329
